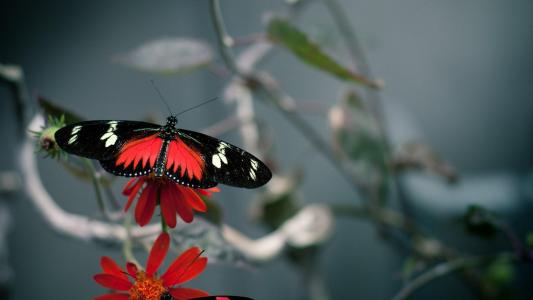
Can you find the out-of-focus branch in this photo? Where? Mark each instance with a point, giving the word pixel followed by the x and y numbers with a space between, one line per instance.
pixel 14 77
pixel 308 227
pixel 446 268
pixel 223 38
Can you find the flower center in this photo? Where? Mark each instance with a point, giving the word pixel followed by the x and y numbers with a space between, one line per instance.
pixel 147 288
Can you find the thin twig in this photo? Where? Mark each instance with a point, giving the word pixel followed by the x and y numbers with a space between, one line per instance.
pixel 444 269
pixel 225 41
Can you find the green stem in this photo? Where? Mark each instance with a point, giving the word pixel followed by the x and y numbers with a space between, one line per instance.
pixel 127 248
pixel 96 185
pixel 164 226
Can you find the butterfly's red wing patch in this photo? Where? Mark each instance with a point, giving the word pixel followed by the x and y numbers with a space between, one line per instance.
pixel 184 161
pixel 142 151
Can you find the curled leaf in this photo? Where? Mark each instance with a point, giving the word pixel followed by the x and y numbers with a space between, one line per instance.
pixel 281 31
pixel 422 157
pixel 169 56
pixel 55 111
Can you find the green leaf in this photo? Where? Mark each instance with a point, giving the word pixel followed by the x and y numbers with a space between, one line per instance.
pixel 529 239
pixel 169 56
pixel 299 44
pixel 279 203
pixel 500 272
pixel 479 221
pixel 58 112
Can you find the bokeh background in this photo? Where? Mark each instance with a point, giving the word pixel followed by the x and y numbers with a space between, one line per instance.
pixel 458 76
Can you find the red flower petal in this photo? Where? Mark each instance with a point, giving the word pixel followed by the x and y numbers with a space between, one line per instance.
pixel 146 205
pixel 186 294
pixel 182 206
pixel 209 191
pixel 113 282
pixel 157 254
pixel 168 205
pixel 113 297
pixel 110 267
pixel 133 192
pixel 187 266
pixel 193 199
pixel 132 269
pixel 129 185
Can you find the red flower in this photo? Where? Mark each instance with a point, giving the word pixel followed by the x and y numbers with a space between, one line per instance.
pixel 172 198
pixel 147 285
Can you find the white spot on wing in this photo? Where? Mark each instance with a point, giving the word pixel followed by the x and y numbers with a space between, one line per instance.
pixel 107 135
pixel 72 139
pixel 252 174
pixel 218 158
pixel 75 129
pixel 254 164
pixel 111 140
pixel 215 160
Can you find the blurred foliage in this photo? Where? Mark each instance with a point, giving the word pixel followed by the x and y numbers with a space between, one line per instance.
pixel 529 239
pixel 169 56
pixel 281 31
pixel 55 111
pixel 280 202
pixel 497 277
pixel 418 156
pixel 480 222
pixel 357 141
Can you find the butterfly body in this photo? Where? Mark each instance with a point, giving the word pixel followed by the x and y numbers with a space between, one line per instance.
pixel 130 148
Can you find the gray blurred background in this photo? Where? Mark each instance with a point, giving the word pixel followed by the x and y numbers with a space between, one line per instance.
pixel 458 76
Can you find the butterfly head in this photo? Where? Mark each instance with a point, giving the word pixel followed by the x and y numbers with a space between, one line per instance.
pixel 172 121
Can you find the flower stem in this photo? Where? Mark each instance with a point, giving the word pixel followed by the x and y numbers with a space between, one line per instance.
pixel 96 185
pixel 164 226
pixel 127 247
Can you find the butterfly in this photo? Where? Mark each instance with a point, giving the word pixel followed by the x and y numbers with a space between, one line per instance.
pixel 193 159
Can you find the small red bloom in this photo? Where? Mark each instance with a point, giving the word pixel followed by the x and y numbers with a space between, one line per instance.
pixel 147 285
pixel 172 198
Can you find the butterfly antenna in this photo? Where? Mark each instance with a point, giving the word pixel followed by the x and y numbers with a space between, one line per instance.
pixel 196 106
pixel 161 96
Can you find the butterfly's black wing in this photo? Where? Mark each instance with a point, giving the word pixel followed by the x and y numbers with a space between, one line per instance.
pixel 225 163
pixel 101 140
